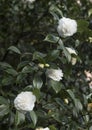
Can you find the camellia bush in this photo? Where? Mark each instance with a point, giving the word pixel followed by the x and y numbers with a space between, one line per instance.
pixel 46 64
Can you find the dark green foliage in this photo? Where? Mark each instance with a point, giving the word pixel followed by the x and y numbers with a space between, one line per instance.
pixel 28 37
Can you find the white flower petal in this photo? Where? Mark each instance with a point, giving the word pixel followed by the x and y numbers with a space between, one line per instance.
pixel 55 74
pixel 42 128
pixel 31 1
pixel 67 27
pixel 71 51
pixel 25 101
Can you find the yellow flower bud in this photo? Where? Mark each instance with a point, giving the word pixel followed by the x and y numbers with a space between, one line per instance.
pixel 66 100
pixel 41 65
pixel 47 65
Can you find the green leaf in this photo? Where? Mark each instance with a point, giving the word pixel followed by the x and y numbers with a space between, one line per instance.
pixel 50 106
pixel 52 127
pixel 14 49
pixel 71 94
pixel 37 93
pixel 52 55
pixel 28 88
pixel 22 64
pixel 54 15
pixel 33 117
pixel 56 85
pixel 55 9
pixel 75 112
pixel 5 65
pixel 21 77
pixel 39 56
pixel 3 100
pixel 11 71
pixel 60 102
pixel 65 51
pixel 51 38
pixel 56 116
pixel 27 69
pixel 19 118
pixel 4 110
pixel 82 25
pixel 7 80
pixel 77 102
pixel 78 105
pixel 37 82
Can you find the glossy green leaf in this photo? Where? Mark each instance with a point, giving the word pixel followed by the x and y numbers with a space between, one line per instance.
pixel 37 93
pixel 33 117
pixel 14 49
pixel 19 118
pixel 4 110
pixel 65 51
pixel 56 10
pixel 53 55
pixel 78 105
pixel 56 85
pixel 5 65
pixel 77 102
pixel 11 72
pixel 7 80
pixel 3 100
pixel 39 56
pixel 70 92
pixel 51 38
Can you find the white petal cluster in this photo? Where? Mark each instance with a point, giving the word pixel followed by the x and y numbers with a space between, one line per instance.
pixel 55 74
pixel 67 27
pixel 72 51
pixel 43 128
pixel 25 101
pixel 31 1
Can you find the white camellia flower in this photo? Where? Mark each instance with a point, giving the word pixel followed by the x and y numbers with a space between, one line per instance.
pixel 43 128
pixel 55 74
pixel 25 101
pixel 67 27
pixel 72 51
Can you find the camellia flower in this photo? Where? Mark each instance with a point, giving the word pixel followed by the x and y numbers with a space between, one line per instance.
pixel 72 51
pixel 55 74
pixel 25 101
pixel 42 128
pixel 67 27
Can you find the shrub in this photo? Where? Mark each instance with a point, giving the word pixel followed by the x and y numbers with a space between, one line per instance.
pixel 45 52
